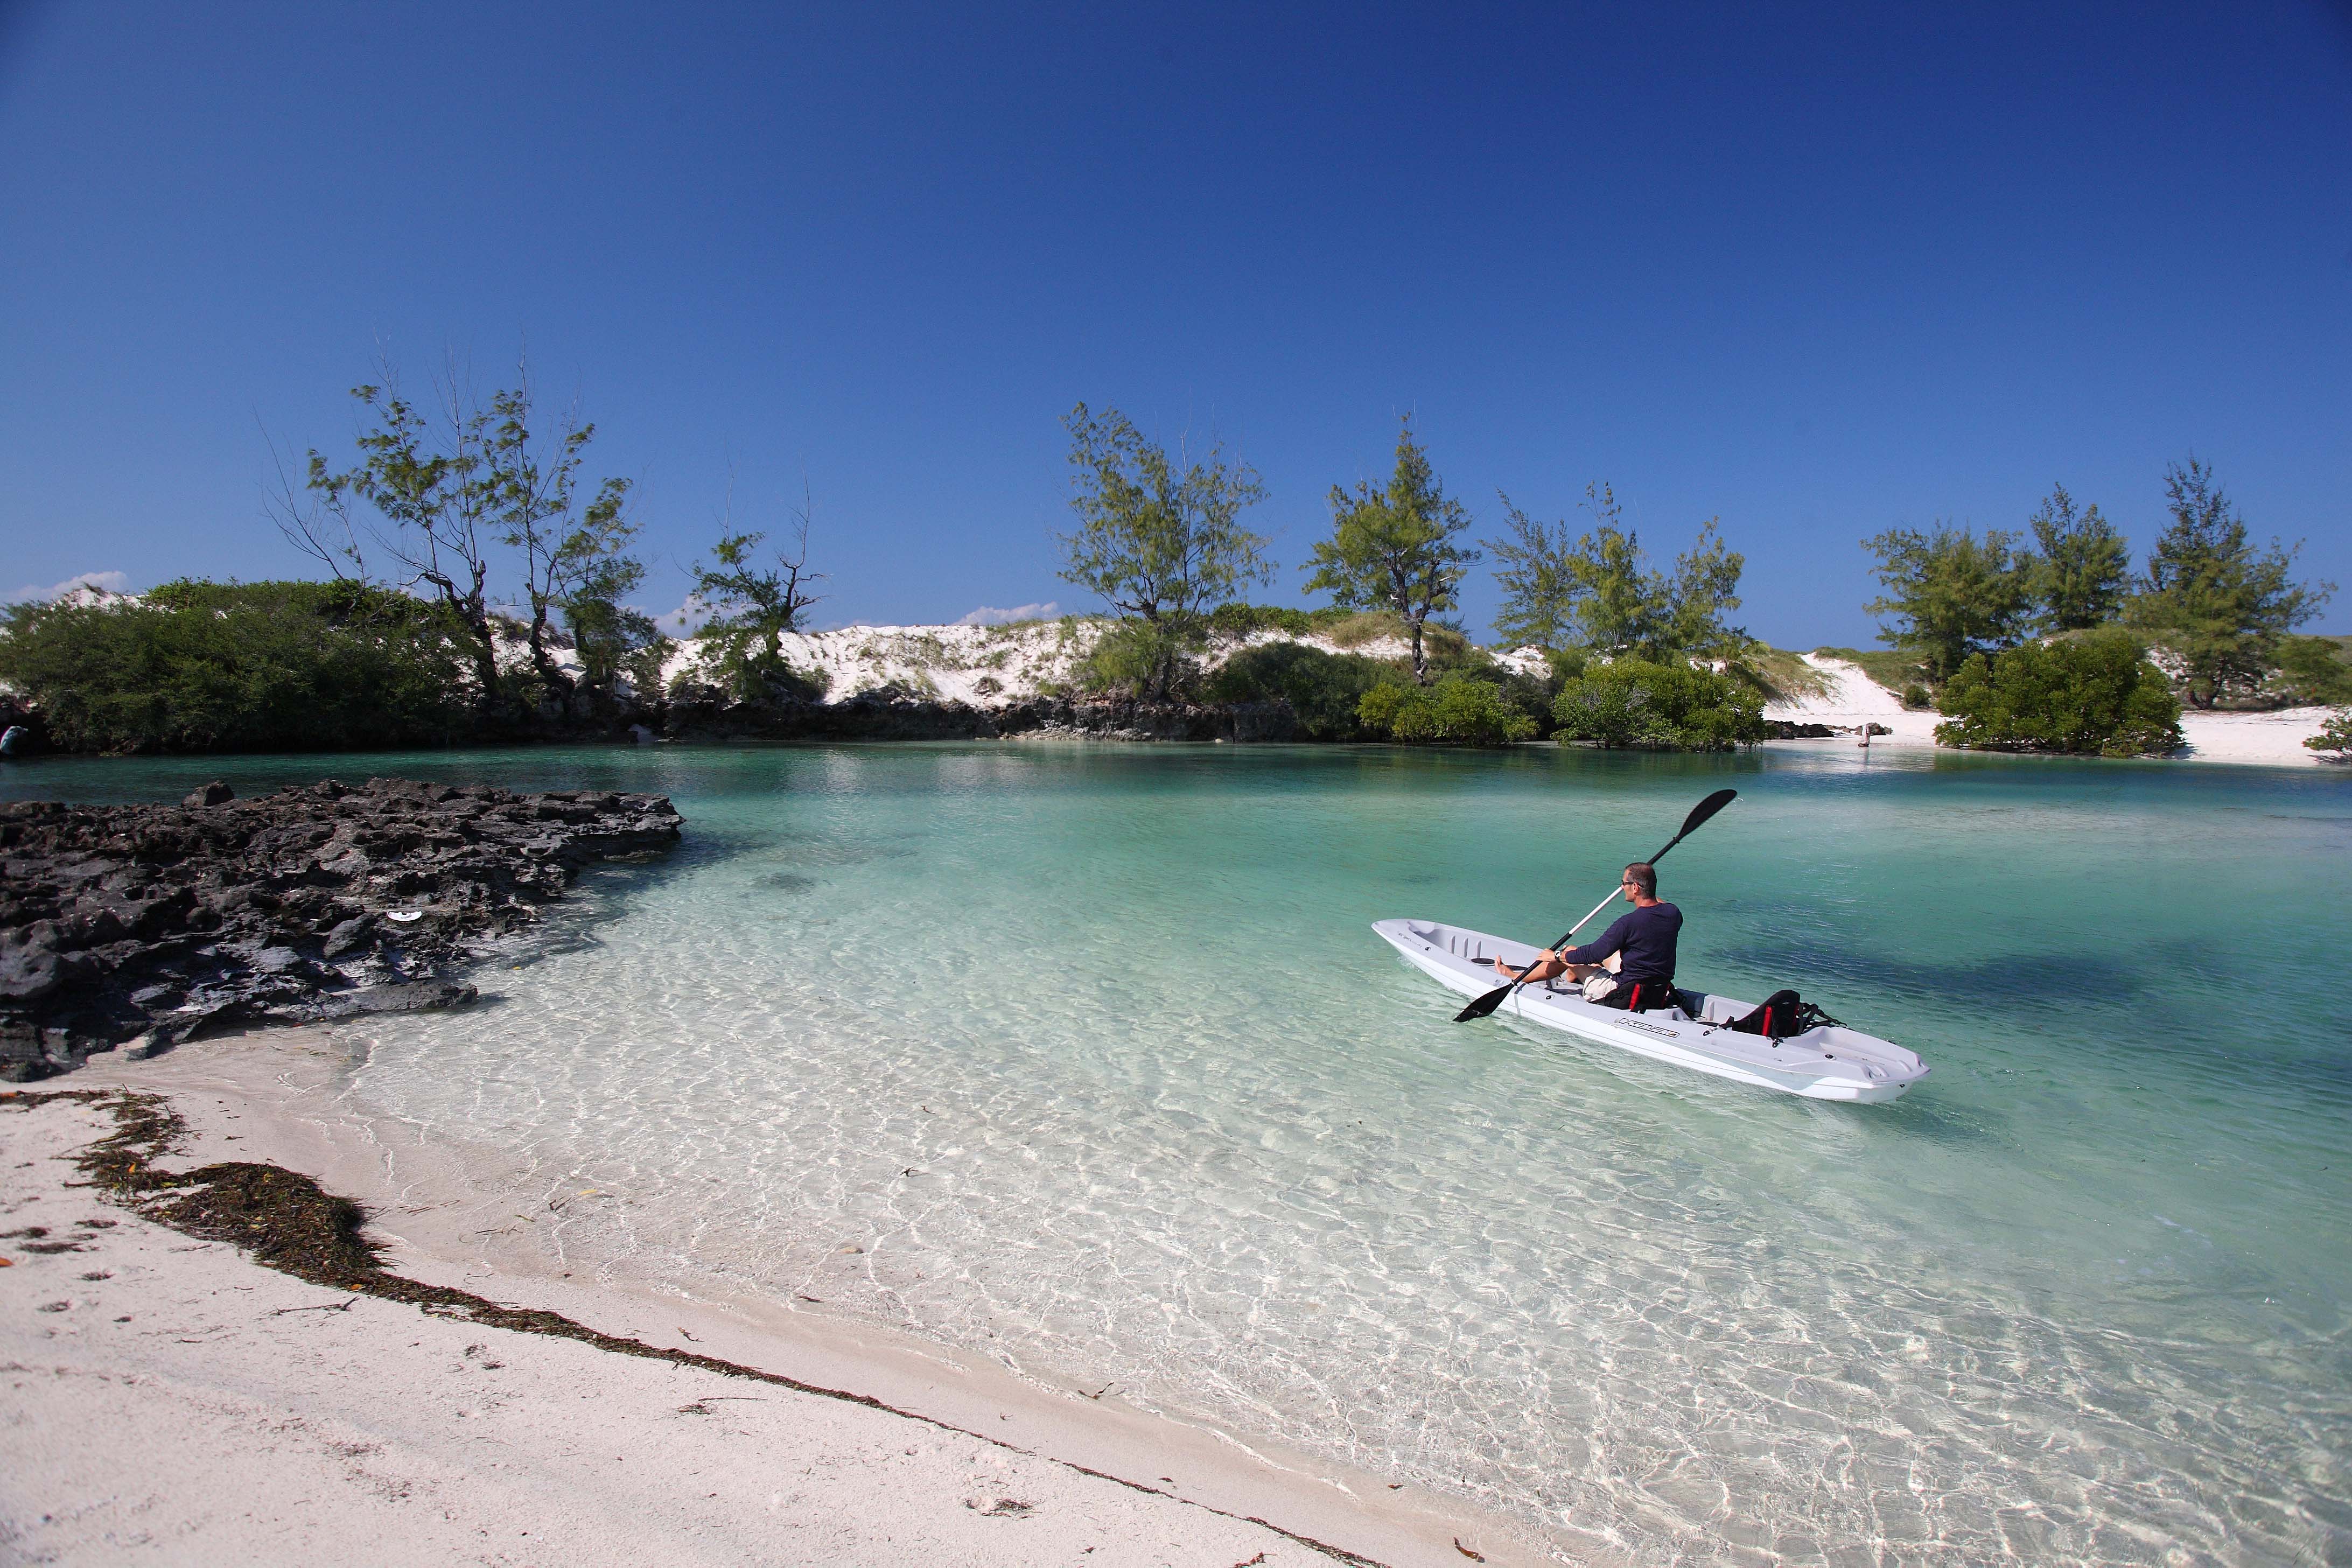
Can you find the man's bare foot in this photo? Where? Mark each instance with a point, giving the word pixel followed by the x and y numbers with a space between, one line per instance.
pixel 1505 970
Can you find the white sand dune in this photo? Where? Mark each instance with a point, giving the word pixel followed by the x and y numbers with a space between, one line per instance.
pixel 1852 700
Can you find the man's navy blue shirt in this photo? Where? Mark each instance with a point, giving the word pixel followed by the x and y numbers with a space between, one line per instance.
pixel 1646 938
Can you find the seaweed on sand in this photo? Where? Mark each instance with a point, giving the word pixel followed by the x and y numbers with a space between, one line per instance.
pixel 287 1222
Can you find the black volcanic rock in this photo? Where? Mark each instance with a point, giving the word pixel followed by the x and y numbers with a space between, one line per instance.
pixel 151 922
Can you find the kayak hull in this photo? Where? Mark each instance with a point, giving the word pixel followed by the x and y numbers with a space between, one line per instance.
pixel 1832 1062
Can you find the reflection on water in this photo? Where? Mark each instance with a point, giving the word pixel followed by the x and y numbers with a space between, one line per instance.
pixel 1090 1054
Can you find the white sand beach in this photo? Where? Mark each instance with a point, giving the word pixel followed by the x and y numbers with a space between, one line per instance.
pixel 1854 699
pixel 172 1401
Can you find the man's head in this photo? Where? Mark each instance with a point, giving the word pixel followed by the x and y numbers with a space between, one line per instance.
pixel 1640 881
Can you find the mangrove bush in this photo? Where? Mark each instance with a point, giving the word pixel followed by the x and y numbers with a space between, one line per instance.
pixel 1673 707
pixel 244 666
pixel 2095 694
pixel 1325 691
pixel 1457 710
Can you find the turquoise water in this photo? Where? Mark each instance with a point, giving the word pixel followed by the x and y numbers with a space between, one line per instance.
pixel 1090 1052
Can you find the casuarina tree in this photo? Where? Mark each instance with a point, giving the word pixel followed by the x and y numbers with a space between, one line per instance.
pixel 1950 594
pixel 1597 589
pixel 1540 588
pixel 1397 548
pixel 590 573
pixel 1621 604
pixel 2216 602
pixel 751 603
pixel 1158 538
pixel 452 493
pixel 2083 568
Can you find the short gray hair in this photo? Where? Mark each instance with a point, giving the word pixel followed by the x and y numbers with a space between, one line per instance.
pixel 1644 877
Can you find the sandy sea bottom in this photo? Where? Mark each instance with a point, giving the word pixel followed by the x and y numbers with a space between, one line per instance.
pixel 1083 1059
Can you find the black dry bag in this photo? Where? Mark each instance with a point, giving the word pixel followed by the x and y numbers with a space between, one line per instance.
pixel 1776 1019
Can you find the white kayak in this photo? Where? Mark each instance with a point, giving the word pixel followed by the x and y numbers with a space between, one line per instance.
pixel 1828 1062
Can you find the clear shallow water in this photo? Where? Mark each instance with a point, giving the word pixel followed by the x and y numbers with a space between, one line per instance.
pixel 1091 1053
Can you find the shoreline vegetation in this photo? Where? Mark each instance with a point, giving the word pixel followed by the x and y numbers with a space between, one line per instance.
pixel 479 584
pixel 1263 675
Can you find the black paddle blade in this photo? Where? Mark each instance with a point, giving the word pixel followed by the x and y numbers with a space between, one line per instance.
pixel 1484 1004
pixel 1705 809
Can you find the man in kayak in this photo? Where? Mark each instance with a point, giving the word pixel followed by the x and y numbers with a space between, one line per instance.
pixel 1643 940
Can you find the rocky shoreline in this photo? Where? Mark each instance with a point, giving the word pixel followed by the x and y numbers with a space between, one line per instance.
pixel 143 925
pixel 888 715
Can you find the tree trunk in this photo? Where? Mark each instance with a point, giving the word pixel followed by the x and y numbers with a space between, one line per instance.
pixel 555 680
pixel 1403 590
pixel 476 618
pixel 485 666
pixel 1156 685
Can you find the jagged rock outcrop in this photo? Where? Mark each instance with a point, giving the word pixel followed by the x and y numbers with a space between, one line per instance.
pixel 150 922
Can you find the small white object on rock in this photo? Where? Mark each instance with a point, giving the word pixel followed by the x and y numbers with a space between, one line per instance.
pixel 405 916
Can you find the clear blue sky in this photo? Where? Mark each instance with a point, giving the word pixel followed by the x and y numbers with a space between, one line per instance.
pixel 1814 271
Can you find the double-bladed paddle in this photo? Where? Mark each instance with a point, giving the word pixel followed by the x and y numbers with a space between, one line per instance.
pixel 1691 823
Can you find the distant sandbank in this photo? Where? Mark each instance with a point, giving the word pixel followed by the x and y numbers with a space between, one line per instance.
pixel 1853 699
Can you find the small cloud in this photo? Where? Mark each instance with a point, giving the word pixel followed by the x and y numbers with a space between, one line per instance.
pixel 103 582
pixel 684 621
pixel 986 616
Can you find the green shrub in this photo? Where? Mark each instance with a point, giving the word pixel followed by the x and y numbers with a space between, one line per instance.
pixel 2312 670
pixel 1323 689
pixel 255 667
pixel 1525 694
pixel 734 668
pixel 1631 702
pixel 1917 698
pixel 1234 622
pixel 2093 694
pixel 2334 742
pixel 1456 710
pixel 1134 656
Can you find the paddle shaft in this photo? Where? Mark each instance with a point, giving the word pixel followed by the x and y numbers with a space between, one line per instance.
pixel 1608 897
pixel 1481 1007
pixel 1700 816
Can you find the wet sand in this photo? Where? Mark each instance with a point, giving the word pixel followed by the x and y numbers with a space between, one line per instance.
pixel 172 1400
